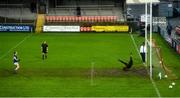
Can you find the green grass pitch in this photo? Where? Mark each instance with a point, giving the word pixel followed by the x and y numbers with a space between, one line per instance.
pixel 81 65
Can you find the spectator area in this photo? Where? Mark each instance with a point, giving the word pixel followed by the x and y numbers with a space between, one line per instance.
pixel 52 19
pixel 89 10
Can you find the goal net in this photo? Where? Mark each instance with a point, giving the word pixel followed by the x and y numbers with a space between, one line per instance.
pixel 159 69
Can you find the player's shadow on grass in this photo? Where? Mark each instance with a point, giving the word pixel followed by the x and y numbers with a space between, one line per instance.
pixel 77 72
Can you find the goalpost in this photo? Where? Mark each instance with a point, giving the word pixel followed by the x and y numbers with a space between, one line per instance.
pixel 154 59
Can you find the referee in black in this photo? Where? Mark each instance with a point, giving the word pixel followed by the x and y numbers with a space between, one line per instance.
pixel 44 49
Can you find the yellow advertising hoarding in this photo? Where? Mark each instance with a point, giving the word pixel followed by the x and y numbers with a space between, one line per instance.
pixel 110 28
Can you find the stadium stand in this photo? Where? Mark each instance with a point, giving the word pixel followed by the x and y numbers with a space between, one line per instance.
pixel 83 3
pixel 16 11
pixel 137 7
pixel 81 19
pixel 105 11
pixel 90 11
pixel 62 12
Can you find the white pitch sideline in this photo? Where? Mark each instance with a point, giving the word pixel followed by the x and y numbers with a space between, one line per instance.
pixel 18 44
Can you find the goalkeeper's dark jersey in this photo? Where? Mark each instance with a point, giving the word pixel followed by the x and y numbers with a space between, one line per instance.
pixel 130 62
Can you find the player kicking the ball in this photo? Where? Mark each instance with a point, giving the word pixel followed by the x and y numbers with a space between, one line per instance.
pixel 44 49
pixel 16 62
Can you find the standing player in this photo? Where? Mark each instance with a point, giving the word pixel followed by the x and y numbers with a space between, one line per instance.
pixel 44 49
pixel 143 52
pixel 16 62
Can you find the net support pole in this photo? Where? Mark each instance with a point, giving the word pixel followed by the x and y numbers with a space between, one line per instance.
pixel 151 39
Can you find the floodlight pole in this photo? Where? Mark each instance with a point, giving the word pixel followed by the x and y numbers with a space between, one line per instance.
pixel 150 38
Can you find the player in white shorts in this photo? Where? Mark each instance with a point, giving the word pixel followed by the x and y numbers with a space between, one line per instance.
pixel 16 61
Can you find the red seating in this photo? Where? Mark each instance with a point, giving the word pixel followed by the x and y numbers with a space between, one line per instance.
pixel 85 29
pixel 85 18
pixel 63 19
pixel 82 29
pixel 60 18
pixel 54 19
pixel 81 19
pixel 47 18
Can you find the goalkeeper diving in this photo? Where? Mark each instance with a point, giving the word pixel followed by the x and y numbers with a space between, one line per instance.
pixel 128 65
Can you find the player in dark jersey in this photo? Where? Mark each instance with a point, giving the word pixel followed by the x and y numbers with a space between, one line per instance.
pixel 127 65
pixel 44 49
pixel 16 62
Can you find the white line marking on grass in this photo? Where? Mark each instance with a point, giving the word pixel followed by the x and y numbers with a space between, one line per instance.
pixel 153 83
pixel 92 73
pixel 25 38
